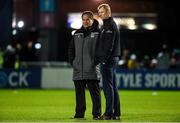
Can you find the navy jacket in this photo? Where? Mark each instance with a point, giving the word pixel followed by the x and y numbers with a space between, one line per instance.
pixel 108 45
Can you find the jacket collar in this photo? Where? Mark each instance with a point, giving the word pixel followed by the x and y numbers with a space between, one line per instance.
pixel 107 20
pixel 91 28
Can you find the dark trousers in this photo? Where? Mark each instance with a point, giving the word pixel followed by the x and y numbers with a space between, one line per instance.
pixel 94 90
pixel 108 72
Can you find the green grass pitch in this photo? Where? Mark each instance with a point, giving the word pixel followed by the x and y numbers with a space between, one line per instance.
pixel 25 105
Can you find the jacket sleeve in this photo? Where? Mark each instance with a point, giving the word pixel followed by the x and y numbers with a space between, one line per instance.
pixel 71 51
pixel 109 41
pixel 97 59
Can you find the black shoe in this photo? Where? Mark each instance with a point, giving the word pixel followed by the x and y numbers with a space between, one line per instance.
pixel 96 117
pixel 104 117
pixel 76 116
pixel 116 118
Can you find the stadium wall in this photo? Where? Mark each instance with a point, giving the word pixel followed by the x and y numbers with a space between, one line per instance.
pixel 23 78
pixel 57 78
pixel 61 78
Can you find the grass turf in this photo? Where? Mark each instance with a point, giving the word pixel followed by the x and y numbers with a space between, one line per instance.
pixel 58 106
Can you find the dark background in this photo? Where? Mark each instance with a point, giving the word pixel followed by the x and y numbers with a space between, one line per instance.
pixel 55 39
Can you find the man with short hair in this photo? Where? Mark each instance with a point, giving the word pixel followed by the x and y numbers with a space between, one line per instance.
pixel 85 71
pixel 108 53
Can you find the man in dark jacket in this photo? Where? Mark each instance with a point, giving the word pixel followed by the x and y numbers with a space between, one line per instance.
pixel 85 72
pixel 107 53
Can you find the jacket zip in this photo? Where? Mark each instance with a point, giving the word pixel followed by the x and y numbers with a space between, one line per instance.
pixel 82 57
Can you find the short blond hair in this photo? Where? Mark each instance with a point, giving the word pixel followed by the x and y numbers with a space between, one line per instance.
pixel 105 6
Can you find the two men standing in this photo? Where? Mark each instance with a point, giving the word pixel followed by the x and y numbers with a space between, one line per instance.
pixel 89 47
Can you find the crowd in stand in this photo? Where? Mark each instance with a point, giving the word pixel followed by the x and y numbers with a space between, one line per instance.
pixel 163 60
pixel 12 56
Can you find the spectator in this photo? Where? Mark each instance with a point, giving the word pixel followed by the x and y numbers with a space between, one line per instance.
pixel 146 62
pixel 132 62
pixel 1 58
pixel 9 57
pixel 163 58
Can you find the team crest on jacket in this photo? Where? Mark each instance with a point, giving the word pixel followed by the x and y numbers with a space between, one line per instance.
pixel 108 31
pixel 78 35
pixel 93 34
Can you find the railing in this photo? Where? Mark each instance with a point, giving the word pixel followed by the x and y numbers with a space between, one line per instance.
pixel 45 64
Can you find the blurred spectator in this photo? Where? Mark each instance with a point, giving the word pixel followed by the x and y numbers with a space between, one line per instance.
pixel 178 58
pixel 175 59
pixel 153 63
pixel 19 51
pixel 28 52
pixel 1 58
pixel 163 58
pixel 9 57
pixel 124 59
pixel 132 62
pixel 17 62
pixel 146 62
pixel 173 63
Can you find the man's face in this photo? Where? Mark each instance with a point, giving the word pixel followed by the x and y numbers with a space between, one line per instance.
pixel 103 14
pixel 86 21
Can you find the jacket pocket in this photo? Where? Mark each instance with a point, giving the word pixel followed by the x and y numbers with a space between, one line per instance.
pixel 76 64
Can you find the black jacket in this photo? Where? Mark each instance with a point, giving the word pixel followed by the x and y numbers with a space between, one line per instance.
pixel 82 53
pixel 108 45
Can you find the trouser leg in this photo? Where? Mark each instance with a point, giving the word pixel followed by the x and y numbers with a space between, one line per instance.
pixel 80 98
pixel 107 80
pixel 94 90
pixel 116 96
